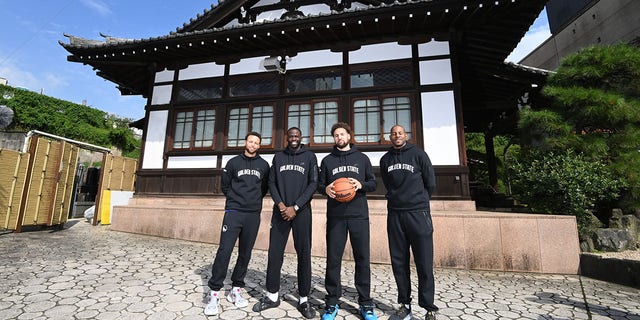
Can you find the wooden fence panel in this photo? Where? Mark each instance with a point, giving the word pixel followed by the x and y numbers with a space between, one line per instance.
pixel 64 184
pixel 41 188
pixel 117 174
pixel 13 173
pixel 37 188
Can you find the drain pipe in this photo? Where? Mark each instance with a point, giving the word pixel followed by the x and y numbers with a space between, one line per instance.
pixel 85 145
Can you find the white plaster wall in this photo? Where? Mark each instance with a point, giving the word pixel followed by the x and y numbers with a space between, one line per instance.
pixel 161 94
pixel 380 52
pixel 268 158
pixel 312 59
pixel 433 48
pixel 320 156
pixel 250 65
pixel 156 135
pixel 435 72
pixel 201 70
pixel 164 76
pixel 375 157
pixel 439 127
pixel 187 162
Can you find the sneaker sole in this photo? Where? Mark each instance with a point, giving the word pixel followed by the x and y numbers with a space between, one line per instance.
pixel 407 317
pixel 210 313
pixel 256 308
pixel 239 305
pixel 329 316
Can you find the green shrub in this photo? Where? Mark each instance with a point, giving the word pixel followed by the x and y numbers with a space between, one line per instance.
pixel 563 183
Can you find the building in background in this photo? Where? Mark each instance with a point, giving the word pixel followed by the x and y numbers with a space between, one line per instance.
pixel 578 24
pixel 435 67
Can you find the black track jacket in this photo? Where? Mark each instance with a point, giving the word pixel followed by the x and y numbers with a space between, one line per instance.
pixel 349 164
pixel 294 177
pixel 244 183
pixel 408 175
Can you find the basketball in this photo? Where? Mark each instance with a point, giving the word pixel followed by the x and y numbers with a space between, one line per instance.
pixel 345 191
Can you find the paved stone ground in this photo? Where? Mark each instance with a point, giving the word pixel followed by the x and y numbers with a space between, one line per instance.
pixel 87 272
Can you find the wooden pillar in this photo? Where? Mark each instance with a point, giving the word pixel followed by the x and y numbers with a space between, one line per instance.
pixel 492 167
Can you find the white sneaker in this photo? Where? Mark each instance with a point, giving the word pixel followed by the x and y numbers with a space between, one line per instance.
pixel 212 307
pixel 235 297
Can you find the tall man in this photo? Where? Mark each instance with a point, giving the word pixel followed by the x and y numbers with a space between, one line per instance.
pixel 292 182
pixel 244 183
pixel 347 218
pixel 408 175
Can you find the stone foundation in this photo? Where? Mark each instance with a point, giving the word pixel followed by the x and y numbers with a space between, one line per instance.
pixel 463 238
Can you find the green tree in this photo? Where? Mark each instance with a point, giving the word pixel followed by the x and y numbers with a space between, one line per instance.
pixel 477 158
pixel 595 111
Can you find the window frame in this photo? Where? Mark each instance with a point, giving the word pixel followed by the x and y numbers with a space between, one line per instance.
pixel 194 126
pixel 312 103
pixel 203 82
pixel 251 107
pixel 337 70
pixel 381 123
pixel 405 63
pixel 273 77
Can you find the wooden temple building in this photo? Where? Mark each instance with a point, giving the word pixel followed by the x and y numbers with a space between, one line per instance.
pixel 435 66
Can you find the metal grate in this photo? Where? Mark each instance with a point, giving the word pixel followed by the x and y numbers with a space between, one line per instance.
pixel 381 77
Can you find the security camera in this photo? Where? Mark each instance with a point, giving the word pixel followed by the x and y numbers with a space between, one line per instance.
pixel 274 64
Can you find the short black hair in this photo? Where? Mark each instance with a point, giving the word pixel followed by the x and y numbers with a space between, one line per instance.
pixel 253 133
pixel 294 128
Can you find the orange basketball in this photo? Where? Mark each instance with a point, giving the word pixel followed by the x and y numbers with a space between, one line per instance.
pixel 345 191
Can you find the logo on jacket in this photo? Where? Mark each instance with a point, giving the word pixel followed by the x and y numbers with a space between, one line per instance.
pixel 224 228
pixel 400 166
pixel 292 167
pixel 345 169
pixel 252 172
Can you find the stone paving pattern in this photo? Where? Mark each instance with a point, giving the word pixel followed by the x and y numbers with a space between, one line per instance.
pixel 91 272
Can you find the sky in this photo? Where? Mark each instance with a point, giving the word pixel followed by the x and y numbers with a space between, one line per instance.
pixel 32 58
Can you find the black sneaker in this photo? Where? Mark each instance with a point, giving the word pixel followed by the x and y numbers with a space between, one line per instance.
pixel 265 303
pixel 307 310
pixel 368 313
pixel 403 313
pixel 431 315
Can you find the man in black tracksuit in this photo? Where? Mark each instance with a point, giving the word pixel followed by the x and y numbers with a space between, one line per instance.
pixel 408 175
pixel 244 183
pixel 347 218
pixel 292 182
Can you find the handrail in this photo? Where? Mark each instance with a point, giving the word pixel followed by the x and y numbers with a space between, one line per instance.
pixel 83 144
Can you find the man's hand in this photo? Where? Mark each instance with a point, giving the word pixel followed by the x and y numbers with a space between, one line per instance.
pixel 329 191
pixel 356 184
pixel 288 214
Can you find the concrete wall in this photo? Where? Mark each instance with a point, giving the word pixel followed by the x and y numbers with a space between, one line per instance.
pixel 606 22
pixel 12 140
pixel 621 271
pixel 463 237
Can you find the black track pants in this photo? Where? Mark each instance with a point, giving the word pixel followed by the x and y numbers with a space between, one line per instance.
pixel 413 230
pixel 241 226
pixel 278 236
pixel 359 236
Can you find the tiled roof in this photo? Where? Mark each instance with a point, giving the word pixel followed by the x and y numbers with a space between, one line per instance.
pixel 484 32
